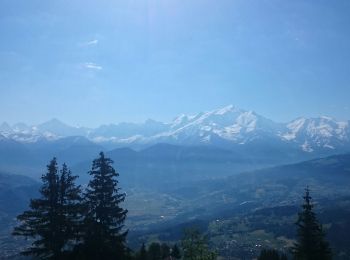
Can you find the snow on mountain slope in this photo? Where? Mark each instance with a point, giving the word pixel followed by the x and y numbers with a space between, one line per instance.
pixel 50 130
pixel 225 126
pixel 312 133
pixel 56 127
pixel 5 128
pixel 229 123
pixel 26 136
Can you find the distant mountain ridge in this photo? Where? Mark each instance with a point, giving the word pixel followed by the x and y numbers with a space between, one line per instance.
pixel 223 127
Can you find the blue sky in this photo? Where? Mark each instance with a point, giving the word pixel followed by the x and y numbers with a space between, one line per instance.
pixel 93 62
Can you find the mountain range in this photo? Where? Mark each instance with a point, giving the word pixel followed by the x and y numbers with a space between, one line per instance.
pixel 223 164
pixel 227 127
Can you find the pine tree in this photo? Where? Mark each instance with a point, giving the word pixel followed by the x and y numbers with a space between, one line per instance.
pixel 154 251
pixel 71 209
pixel 271 254
pixel 104 234
pixel 165 250
pixel 53 220
pixel 142 255
pixel 175 252
pixel 311 243
pixel 42 221
pixel 195 246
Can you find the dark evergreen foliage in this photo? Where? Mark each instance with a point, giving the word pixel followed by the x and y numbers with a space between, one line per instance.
pixel 271 254
pixel 165 249
pixel 41 222
pixel 195 246
pixel 104 235
pixel 71 209
pixel 311 243
pixel 52 221
pixel 157 251
pixel 154 252
pixel 142 254
pixel 175 252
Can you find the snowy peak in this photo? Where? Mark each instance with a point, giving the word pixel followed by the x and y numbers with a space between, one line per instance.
pixel 53 123
pixel 180 121
pixel 56 127
pixel 226 126
pixel 219 117
pixel 5 127
pixel 323 127
pixel 51 130
pixel 314 133
pixel 21 127
pixel 225 110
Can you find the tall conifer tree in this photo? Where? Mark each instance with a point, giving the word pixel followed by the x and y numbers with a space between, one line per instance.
pixel 195 246
pixel 53 220
pixel 154 251
pixel 175 252
pixel 165 250
pixel 142 254
pixel 104 236
pixel 71 208
pixel 271 254
pixel 311 243
pixel 42 221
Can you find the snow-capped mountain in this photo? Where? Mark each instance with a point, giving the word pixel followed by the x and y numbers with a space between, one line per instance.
pixel 23 133
pixel 225 126
pixel 56 127
pixel 317 133
pixel 228 124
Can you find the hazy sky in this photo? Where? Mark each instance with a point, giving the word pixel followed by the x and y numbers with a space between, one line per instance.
pixel 92 62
